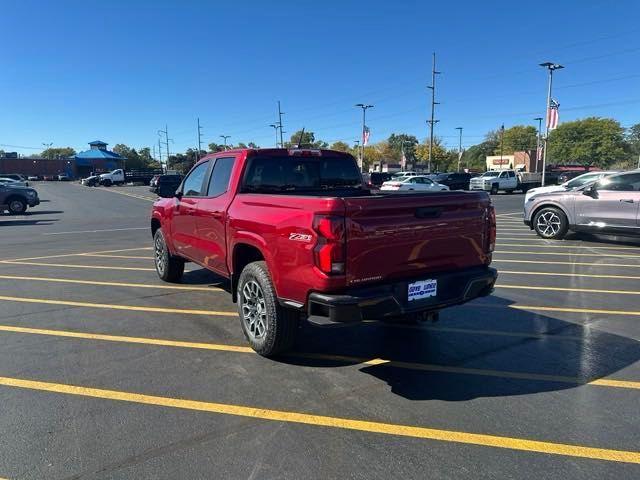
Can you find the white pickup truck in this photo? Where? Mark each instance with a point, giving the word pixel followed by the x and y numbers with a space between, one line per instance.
pixel 505 181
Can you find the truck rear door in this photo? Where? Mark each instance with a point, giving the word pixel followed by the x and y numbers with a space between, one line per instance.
pixel 405 236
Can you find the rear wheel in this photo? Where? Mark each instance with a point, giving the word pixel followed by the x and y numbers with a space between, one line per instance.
pixel 16 206
pixel 169 267
pixel 269 328
pixel 494 189
pixel 551 222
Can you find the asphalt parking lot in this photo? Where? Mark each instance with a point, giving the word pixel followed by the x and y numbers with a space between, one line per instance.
pixel 107 373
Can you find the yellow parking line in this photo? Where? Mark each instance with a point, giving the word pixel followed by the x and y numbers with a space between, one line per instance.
pixel 494 441
pixel 556 274
pixel 329 357
pixel 76 254
pixel 574 310
pixel 563 289
pixel 127 194
pixel 566 254
pixel 111 284
pixel 65 265
pixel 548 262
pixel 117 256
pixel 548 245
pixel 134 308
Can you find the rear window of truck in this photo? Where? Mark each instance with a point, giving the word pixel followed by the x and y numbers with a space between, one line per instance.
pixel 300 174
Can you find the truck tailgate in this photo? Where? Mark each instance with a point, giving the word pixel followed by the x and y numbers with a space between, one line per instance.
pixel 405 236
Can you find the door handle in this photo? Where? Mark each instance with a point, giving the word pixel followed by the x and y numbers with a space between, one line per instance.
pixel 627 200
pixel 216 214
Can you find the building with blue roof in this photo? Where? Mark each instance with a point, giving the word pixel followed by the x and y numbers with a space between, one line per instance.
pixel 97 159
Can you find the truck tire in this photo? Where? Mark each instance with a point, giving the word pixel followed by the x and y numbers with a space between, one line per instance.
pixel 510 191
pixel 16 205
pixel 551 223
pixel 169 267
pixel 269 328
pixel 107 183
pixel 494 189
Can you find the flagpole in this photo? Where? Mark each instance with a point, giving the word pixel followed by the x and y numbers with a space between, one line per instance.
pixel 551 67
pixel 364 126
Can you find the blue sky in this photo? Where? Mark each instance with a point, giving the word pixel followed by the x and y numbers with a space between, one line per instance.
pixel 118 71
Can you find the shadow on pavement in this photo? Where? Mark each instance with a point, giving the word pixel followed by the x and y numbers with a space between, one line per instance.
pixel 583 355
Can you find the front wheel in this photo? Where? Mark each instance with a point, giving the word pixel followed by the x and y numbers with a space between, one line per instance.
pixel 169 267
pixel 17 206
pixel 269 328
pixel 494 189
pixel 551 223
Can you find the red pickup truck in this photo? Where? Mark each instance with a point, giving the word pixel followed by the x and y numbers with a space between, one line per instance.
pixel 300 237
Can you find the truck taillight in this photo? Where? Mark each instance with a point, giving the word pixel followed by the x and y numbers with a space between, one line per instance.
pixel 330 249
pixel 491 231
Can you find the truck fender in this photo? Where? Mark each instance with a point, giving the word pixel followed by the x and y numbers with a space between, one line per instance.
pixel 257 243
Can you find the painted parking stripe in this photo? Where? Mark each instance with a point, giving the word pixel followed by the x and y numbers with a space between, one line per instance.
pixel 262 413
pixel 130 257
pixel 112 284
pixel 557 274
pixel 73 232
pixel 548 245
pixel 76 254
pixel 328 357
pixel 127 194
pixel 548 262
pixel 134 308
pixel 566 289
pixel 65 265
pixel 568 254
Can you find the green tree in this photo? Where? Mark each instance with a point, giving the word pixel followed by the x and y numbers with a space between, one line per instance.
pixel 214 147
pixel 340 146
pixel 308 140
pixel 440 157
pixel 633 139
pixel 590 141
pixel 398 141
pixel 131 156
pixel 58 152
pixel 517 139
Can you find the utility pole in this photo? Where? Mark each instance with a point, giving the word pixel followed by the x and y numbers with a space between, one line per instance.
pixel 199 139
pixel 159 151
pixel 551 67
pixel 166 143
pixel 364 127
pixel 501 142
pixel 280 113
pixel 275 129
pixel 538 141
pixel 225 140
pixel 433 121
pixel 459 147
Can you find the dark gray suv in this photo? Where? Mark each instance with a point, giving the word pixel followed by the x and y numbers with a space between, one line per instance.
pixel 17 199
pixel 610 205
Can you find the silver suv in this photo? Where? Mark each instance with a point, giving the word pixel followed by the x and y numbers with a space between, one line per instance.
pixel 610 205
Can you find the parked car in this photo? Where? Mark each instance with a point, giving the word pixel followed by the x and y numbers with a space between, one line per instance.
pixel 416 183
pixel 376 179
pixel 18 177
pixel 610 205
pixel 298 237
pixel 166 185
pixel 33 178
pixel 12 182
pixel 90 181
pixel 575 183
pixel 63 177
pixel 16 198
pixel 455 180
pixel 49 178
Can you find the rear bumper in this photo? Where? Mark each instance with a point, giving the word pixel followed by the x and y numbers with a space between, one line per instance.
pixel 390 300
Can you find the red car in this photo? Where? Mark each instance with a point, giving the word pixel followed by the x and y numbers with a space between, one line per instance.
pixel 300 237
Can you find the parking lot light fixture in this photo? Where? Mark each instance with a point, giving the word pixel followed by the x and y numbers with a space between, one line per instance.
pixel 551 67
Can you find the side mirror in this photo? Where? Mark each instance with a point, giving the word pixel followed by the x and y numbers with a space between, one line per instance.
pixel 590 191
pixel 168 191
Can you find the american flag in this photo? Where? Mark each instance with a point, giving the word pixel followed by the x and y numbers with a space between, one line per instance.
pixel 403 162
pixel 552 115
pixel 365 135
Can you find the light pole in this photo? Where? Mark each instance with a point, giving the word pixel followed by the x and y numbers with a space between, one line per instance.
pixel 364 126
pixel 551 67
pixel 538 139
pixel 47 146
pixel 225 140
pixel 459 147
pixel 275 128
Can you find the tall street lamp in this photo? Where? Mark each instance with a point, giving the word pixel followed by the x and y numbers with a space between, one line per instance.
pixel 538 140
pixel 364 126
pixel 275 128
pixel 551 67
pixel 459 147
pixel 225 140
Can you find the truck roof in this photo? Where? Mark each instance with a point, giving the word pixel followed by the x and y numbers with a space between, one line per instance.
pixel 278 152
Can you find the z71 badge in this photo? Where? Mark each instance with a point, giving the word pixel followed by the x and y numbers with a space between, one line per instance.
pixel 300 237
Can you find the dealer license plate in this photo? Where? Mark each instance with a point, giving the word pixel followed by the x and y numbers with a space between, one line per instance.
pixel 422 289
